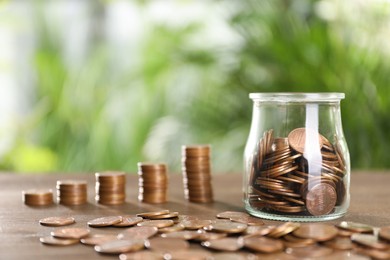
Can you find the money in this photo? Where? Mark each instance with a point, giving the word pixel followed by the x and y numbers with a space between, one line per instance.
pixel 283 181
pixel 152 182
pixel 38 197
pixel 110 188
pixel 71 192
pixel 56 221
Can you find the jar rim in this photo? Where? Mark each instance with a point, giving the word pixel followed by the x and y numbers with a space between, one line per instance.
pixel 297 96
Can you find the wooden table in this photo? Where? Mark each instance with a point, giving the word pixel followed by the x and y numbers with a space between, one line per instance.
pixel 20 231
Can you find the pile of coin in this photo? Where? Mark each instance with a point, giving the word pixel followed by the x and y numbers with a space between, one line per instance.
pixel 110 188
pixel 152 182
pixel 284 181
pixel 71 192
pixel 38 197
pixel 165 235
pixel 196 168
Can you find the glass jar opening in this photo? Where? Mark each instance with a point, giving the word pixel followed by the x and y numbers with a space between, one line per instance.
pixel 297 97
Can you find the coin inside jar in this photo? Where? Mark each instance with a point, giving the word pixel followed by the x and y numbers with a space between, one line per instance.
pixel 321 199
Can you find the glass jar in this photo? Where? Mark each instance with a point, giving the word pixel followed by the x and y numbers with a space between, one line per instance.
pixel 297 165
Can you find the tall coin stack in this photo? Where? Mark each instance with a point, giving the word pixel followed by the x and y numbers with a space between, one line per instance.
pixel 71 192
pixel 197 173
pixel 110 188
pixel 152 182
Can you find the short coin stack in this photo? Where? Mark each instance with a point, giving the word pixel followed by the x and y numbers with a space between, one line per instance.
pixel 38 197
pixel 71 192
pixel 152 182
pixel 197 173
pixel 110 188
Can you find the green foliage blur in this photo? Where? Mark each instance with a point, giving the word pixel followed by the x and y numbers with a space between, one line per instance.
pixel 96 118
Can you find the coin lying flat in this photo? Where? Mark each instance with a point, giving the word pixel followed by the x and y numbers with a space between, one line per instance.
pixel 157 223
pixel 128 221
pixel 165 216
pixel 97 239
pixel 370 241
pixel 356 227
pixel 206 236
pixel 75 233
pixel 49 240
pixel 120 246
pixel 249 220
pixel 224 244
pixel 196 224
pixel 384 233
pixel 57 221
pixel 263 244
pixel 174 228
pixel 105 221
pixel 138 233
pixel 153 213
pixel 232 214
pixel 228 227
pixel 142 255
pixel 184 235
pixel 340 243
pixel 309 251
pixel 166 244
pixel 190 254
pixel 317 231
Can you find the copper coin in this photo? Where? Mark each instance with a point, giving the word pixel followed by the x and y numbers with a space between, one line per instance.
pixel 297 138
pixel 206 236
pixel 139 233
pixel 340 243
pixel 321 199
pixel 196 224
pixel 166 244
pixel 356 227
pixel 38 197
pixel 228 227
pixel 370 241
pixel 374 254
pixel 105 221
pixel 259 230
pixel 49 240
pixel 190 254
pixel 71 183
pixel 384 233
pixel 283 229
pixel 57 221
pixel 153 213
pixel 249 220
pixel 317 231
pixel 161 223
pixel 263 244
pixel 184 235
pixel 174 228
pixel 97 239
pixel 309 251
pixel 232 214
pixel 166 216
pixel 224 244
pixel 120 246
pixel 142 255
pixel 73 233
pixel 128 221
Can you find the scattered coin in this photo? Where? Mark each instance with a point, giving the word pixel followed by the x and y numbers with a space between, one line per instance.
pixel 224 244
pixel 120 246
pixel 232 214
pixel 170 215
pixel 105 221
pixel 190 254
pixel 161 223
pixel 206 236
pixel 249 220
pixel 283 229
pixel 153 213
pixel 49 240
pixel 309 251
pixel 263 244
pixel 142 255
pixel 174 228
pixel 128 221
pixel 340 243
pixel 166 244
pixel 184 235
pixel 195 224
pixel 228 227
pixel 57 221
pixel 370 241
pixel 384 233
pixel 138 233
pixel 97 239
pixel 317 231
pixel 72 233
pixel 356 227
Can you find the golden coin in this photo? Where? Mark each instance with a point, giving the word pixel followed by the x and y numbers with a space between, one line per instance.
pixel 161 223
pixel 196 224
pixel 356 227
pixel 184 235
pixel 120 246
pixel 49 240
pixel 370 241
pixel 57 221
pixel 231 214
pixel 97 239
pixel 228 227
pixel 311 251
pixel 224 244
pixel 317 231
pixel 263 244
pixel 340 243
pixel 153 213
pixel 166 244
pixel 128 221
pixel 72 233
pixel 142 255
pixel 297 138
pixel 105 221
pixel 321 199
pixel 139 233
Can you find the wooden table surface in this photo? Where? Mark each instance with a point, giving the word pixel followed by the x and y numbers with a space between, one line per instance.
pixel 20 230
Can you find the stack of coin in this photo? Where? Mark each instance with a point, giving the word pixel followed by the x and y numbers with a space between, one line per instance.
pixel 196 170
pixel 38 197
pixel 71 192
pixel 110 188
pixel 152 182
pixel 281 180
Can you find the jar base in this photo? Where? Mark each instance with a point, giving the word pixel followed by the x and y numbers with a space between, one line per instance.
pixel 293 218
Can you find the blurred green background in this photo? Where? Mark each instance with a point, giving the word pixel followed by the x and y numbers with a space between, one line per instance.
pixel 96 85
